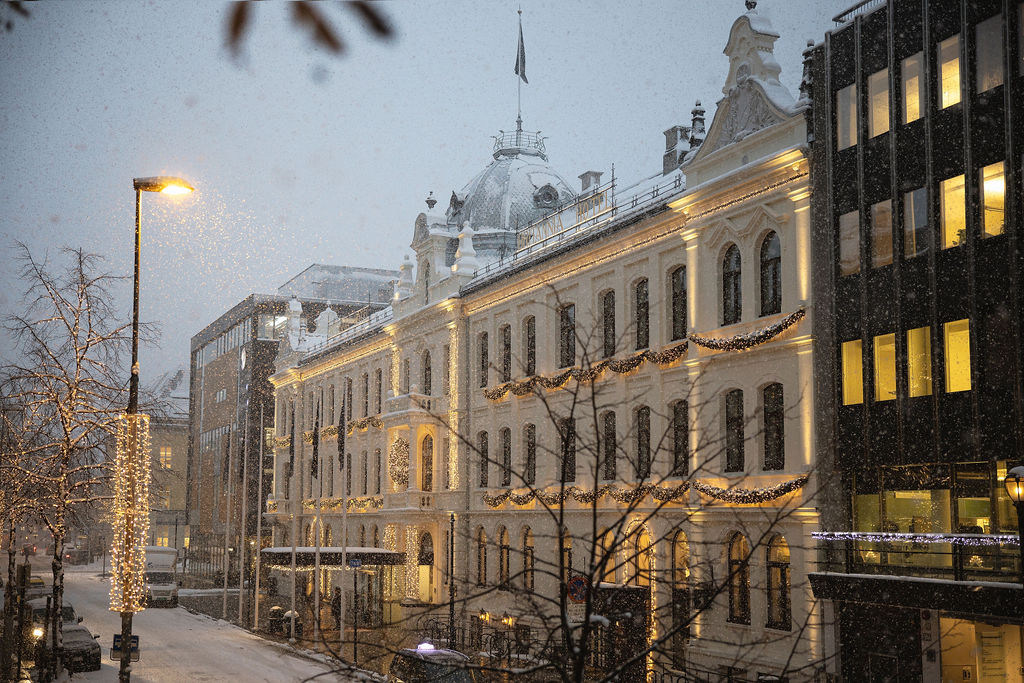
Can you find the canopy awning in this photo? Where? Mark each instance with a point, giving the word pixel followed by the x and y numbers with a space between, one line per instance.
pixel 330 557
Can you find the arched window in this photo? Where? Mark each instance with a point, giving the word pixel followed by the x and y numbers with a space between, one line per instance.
pixel 643 442
pixel 425 564
pixel 506 456
pixel 605 559
pixel 568 436
pixel 641 308
pixel 505 340
pixel 530 464
pixel 427 463
pixel 642 559
pixel 503 559
pixel 406 375
pixel 482 357
pixel 773 429
pixel 608 323
pixel 530 345
pixel 734 431
pixel 732 303
pixel 680 438
pixel 609 446
pixel 739 579
pixel 567 336
pixel 482 447
pixel 779 612
pixel 428 375
pixel 678 278
pixel 771 275
pixel 528 563
pixel 481 557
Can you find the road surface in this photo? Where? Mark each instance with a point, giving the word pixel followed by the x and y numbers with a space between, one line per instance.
pixel 177 645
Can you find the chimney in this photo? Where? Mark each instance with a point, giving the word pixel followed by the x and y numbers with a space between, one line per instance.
pixel 697 131
pixel 676 145
pixel 590 179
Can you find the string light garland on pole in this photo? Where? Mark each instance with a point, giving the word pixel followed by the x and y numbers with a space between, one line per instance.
pixel 131 514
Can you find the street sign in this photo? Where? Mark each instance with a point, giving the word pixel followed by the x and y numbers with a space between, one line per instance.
pixel 115 650
pixel 355 563
pixel 578 588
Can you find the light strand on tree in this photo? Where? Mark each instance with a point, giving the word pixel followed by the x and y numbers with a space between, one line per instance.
pixel 131 514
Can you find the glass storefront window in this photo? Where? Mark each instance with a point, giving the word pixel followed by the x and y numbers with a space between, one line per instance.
pixel 977 651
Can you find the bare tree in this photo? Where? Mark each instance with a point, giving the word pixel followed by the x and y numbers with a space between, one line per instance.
pixel 69 381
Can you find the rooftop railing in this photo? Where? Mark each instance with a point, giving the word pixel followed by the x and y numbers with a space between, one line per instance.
pixel 862 7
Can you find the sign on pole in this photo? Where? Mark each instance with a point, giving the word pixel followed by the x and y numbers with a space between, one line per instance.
pixel 115 650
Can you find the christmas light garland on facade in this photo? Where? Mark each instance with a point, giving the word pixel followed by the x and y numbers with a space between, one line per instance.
pixel 627 494
pixel 740 342
pixel 131 514
pixel 398 461
pixel 977 540
pixel 335 504
pixel 589 374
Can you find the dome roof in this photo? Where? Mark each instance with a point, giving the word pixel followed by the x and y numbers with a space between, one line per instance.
pixel 515 189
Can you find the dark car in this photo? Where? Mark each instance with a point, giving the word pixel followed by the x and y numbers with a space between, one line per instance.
pixel 427 663
pixel 36 588
pixel 81 651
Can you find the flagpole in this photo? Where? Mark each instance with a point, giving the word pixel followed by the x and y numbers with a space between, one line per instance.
pixel 519 86
pixel 259 530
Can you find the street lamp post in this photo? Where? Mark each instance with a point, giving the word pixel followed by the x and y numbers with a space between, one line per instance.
pixel 127 551
pixel 451 581
pixel 1014 483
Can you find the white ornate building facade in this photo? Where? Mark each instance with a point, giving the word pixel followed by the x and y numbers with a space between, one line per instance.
pixel 614 384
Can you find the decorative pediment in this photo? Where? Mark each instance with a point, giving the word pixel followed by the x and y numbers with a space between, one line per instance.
pixel 420 232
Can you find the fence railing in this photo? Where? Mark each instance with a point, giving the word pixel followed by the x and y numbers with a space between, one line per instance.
pixel 862 7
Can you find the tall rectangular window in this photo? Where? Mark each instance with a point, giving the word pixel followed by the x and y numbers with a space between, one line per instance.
pixel 949 71
pixel 853 372
pixel 530 344
pixel 643 320
pixel 609 446
pixel 881 233
pixel 484 361
pixel 953 211
pixel 774 427
pixel 993 193
pixel 849 243
pixel 989 49
pixel 913 87
pixel 505 335
pixel 846 116
pixel 878 103
pixel 919 361
pixel 165 457
pixel 915 222
pixel 378 381
pixel 567 336
pixel 530 473
pixel 885 367
pixel 608 323
pixel 568 450
pixel 679 303
pixel 734 431
pixel 482 446
pixel 957 337
pixel 680 437
pixel 446 380
pixel 643 443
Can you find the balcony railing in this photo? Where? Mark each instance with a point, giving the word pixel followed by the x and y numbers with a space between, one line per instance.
pixel 956 557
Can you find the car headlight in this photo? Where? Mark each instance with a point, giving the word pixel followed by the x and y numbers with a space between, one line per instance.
pixel 37 633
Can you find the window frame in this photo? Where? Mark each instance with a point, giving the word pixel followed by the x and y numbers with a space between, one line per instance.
pixel 771 274
pixel 735 460
pixel 642 313
pixel 773 407
pixel 732 286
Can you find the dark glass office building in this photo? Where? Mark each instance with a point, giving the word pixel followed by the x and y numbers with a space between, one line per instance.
pixel 917 117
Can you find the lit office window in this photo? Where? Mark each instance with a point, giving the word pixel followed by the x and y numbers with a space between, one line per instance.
pixel 885 367
pixel 849 243
pixel 919 361
pixel 989 49
pixel 878 103
pixel 993 190
pixel 165 457
pixel 881 234
pixel 957 336
pixel 915 222
pixel 853 372
pixel 846 116
pixel 913 87
pixel 953 211
pixel 949 71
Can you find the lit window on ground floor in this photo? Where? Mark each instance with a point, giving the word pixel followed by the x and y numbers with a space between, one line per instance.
pixel 977 651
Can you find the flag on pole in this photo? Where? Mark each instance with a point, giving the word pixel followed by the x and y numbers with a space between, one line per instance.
pixel 316 444
pixel 521 55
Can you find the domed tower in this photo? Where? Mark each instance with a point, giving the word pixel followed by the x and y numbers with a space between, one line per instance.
pixel 518 187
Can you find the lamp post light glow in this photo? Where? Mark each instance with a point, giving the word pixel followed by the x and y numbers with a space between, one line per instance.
pixel 131 476
pixel 1014 483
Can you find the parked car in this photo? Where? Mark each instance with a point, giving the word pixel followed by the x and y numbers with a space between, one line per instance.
pixel 76 555
pixel 427 663
pixel 36 588
pixel 81 651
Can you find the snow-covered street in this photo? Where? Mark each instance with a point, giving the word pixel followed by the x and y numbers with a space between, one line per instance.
pixel 178 646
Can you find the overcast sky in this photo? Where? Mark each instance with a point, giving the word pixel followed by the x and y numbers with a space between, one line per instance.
pixel 299 156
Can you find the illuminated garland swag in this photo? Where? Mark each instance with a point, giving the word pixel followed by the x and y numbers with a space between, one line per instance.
pixel 660 493
pixel 738 342
pixel 335 504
